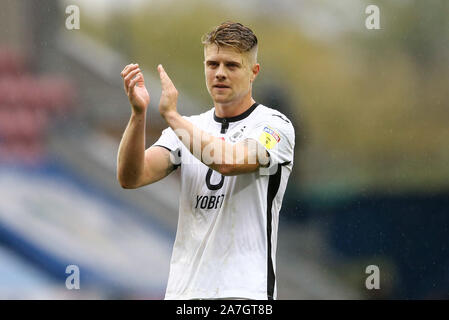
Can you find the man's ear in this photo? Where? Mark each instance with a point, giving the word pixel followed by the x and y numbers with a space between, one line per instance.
pixel 255 71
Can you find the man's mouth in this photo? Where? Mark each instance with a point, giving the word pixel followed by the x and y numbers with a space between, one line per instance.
pixel 222 86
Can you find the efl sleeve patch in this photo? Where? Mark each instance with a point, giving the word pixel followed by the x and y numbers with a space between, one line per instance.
pixel 269 138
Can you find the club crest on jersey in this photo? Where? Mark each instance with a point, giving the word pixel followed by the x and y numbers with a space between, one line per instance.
pixel 269 138
pixel 237 135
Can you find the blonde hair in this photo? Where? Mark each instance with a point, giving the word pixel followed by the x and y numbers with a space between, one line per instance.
pixel 231 34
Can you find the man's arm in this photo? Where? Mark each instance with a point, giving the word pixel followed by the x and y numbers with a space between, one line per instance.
pixel 228 159
pixel 136 166
pixel 225 158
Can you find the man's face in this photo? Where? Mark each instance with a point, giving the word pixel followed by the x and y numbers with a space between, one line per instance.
pixel 229 73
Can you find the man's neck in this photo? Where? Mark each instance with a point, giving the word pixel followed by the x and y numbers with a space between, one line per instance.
pixel 223 110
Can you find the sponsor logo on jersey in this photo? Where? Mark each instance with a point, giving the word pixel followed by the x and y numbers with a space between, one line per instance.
pixel 269 138
pixel 209 201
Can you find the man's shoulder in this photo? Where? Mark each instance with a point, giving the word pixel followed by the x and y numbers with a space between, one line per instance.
pixel 267 114
pixel 201 116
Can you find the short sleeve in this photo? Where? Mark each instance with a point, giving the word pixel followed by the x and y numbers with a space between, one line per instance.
pixel 277 135
pixel 170 141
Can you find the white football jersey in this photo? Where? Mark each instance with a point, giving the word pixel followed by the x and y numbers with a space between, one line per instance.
pixel 225 244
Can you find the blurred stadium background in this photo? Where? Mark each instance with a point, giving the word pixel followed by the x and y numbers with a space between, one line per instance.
pixel 371 181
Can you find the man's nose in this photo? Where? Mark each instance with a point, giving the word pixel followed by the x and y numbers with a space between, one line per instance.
pixel 220 74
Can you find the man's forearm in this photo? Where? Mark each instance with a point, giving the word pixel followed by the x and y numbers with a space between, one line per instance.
pixel 191 136
pixel 214 152
pixel 131 153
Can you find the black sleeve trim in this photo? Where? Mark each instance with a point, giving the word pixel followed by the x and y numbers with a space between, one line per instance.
pixel 269 161
pixel 158 145
pixel 179 154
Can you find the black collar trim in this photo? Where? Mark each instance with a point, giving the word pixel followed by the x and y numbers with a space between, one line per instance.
pixel 236 118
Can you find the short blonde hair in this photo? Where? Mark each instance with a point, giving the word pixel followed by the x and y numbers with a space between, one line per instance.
pixel 231 34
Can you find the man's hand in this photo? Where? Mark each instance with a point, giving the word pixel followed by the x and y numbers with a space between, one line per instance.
pixel 169 96
pixel 135 88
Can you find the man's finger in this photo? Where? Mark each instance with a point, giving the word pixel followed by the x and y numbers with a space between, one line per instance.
pixel 125 70
pixel 140 76
pixel 128 68
pixel 165 79
pixel 132 84
pixel 131 75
